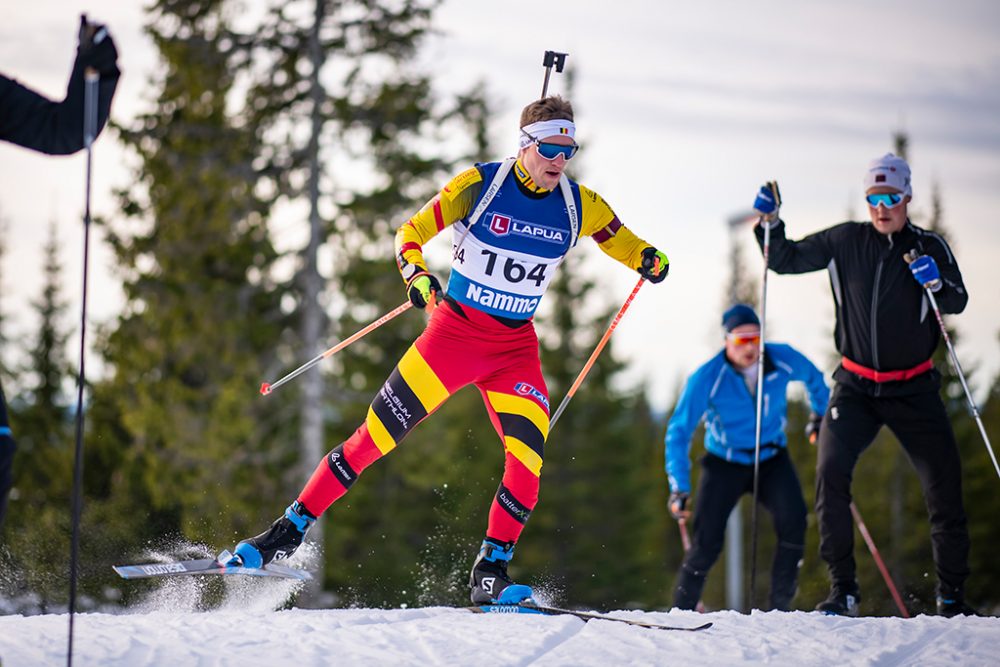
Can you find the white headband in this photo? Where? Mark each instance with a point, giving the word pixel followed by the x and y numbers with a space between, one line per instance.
pixel 545 128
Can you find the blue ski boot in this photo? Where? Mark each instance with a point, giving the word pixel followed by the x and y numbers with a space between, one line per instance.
pixel 277 542
pixel 489 581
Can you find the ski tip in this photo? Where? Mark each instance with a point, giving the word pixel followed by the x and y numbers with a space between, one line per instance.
pixel 265 388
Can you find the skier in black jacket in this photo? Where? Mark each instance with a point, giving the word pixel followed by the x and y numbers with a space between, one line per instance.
pixel 886 333
pixel 55 128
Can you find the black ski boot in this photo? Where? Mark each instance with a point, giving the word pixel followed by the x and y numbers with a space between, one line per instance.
pixel 277 542
pixel 785 575
pixel 951 602
pixel 489 581
pixel 843 600
pixel 687 590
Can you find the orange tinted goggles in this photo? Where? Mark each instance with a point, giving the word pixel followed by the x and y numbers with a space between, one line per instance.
pixel 744 339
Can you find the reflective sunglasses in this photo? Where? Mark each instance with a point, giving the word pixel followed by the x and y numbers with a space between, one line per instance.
pixel 888 199
pixel 743 338
pixel 551 151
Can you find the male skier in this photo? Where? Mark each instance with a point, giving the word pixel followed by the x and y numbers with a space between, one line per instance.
pixel 513 223
pixel 723 393
pixel 886 333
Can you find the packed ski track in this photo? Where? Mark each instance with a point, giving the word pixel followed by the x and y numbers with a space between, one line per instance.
pixel 167 628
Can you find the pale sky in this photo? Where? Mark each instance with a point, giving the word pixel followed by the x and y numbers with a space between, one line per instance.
pixel 685 109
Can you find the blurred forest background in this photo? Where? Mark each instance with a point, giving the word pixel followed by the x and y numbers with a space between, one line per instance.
pixel 321 106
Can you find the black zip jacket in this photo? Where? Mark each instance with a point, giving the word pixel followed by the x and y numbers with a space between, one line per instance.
pixel 56 128
pixel 884 319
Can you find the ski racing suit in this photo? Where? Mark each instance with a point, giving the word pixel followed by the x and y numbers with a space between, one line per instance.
pixel 482 333
pixel 719 393
pixel 886 332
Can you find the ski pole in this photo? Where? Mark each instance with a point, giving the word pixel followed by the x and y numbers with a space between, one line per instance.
pixel 596 352
pixel 551 58
pixel 267 387
pixel 685 538
pixel 773 186
pixel 878 560
pixel 88 32
pixel 910 257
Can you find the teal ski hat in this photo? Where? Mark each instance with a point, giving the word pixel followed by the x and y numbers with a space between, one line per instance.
pixel 739 314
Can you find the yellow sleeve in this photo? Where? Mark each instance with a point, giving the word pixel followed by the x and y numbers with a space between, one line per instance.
pixel 600 223
pixel 446 207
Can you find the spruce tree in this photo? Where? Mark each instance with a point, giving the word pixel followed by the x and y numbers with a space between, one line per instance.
pixel 182 428
pixel 981 499
pixel 38 521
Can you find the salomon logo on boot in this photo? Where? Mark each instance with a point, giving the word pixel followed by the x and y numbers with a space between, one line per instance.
pixel 278 542
pixel 842 601
pixel 489 581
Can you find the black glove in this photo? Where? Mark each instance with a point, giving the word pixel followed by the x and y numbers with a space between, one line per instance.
pixel 678 505
pixel 812 428
pixel 421 287
pixel 96 48
pixel 655 265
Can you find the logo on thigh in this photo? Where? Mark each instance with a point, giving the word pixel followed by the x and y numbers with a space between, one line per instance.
pixel 525 389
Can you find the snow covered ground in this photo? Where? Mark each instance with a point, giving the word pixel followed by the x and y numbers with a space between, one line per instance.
pixel 166 630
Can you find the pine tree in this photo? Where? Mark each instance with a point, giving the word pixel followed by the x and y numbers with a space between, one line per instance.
pixel 181 430
pixel 38 521
pixel 981 499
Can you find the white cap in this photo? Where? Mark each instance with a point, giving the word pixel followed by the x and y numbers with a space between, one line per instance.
pixel 890 171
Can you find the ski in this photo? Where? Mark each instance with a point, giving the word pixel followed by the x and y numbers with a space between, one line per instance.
pixel 529 607
pixel 503 609
pixel 206 566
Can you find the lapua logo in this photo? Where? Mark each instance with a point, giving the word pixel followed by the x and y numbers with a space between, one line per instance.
pixel 500 224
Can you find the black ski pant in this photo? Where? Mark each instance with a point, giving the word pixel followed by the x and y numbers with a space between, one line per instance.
pixel 721 485
pixel 921 424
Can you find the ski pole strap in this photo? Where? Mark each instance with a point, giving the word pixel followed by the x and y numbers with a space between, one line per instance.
pixel 886 376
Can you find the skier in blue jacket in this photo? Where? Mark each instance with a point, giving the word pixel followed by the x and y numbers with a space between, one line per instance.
pixel 723 393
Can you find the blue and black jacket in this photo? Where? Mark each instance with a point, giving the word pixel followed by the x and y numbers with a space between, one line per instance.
pixel 718 393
